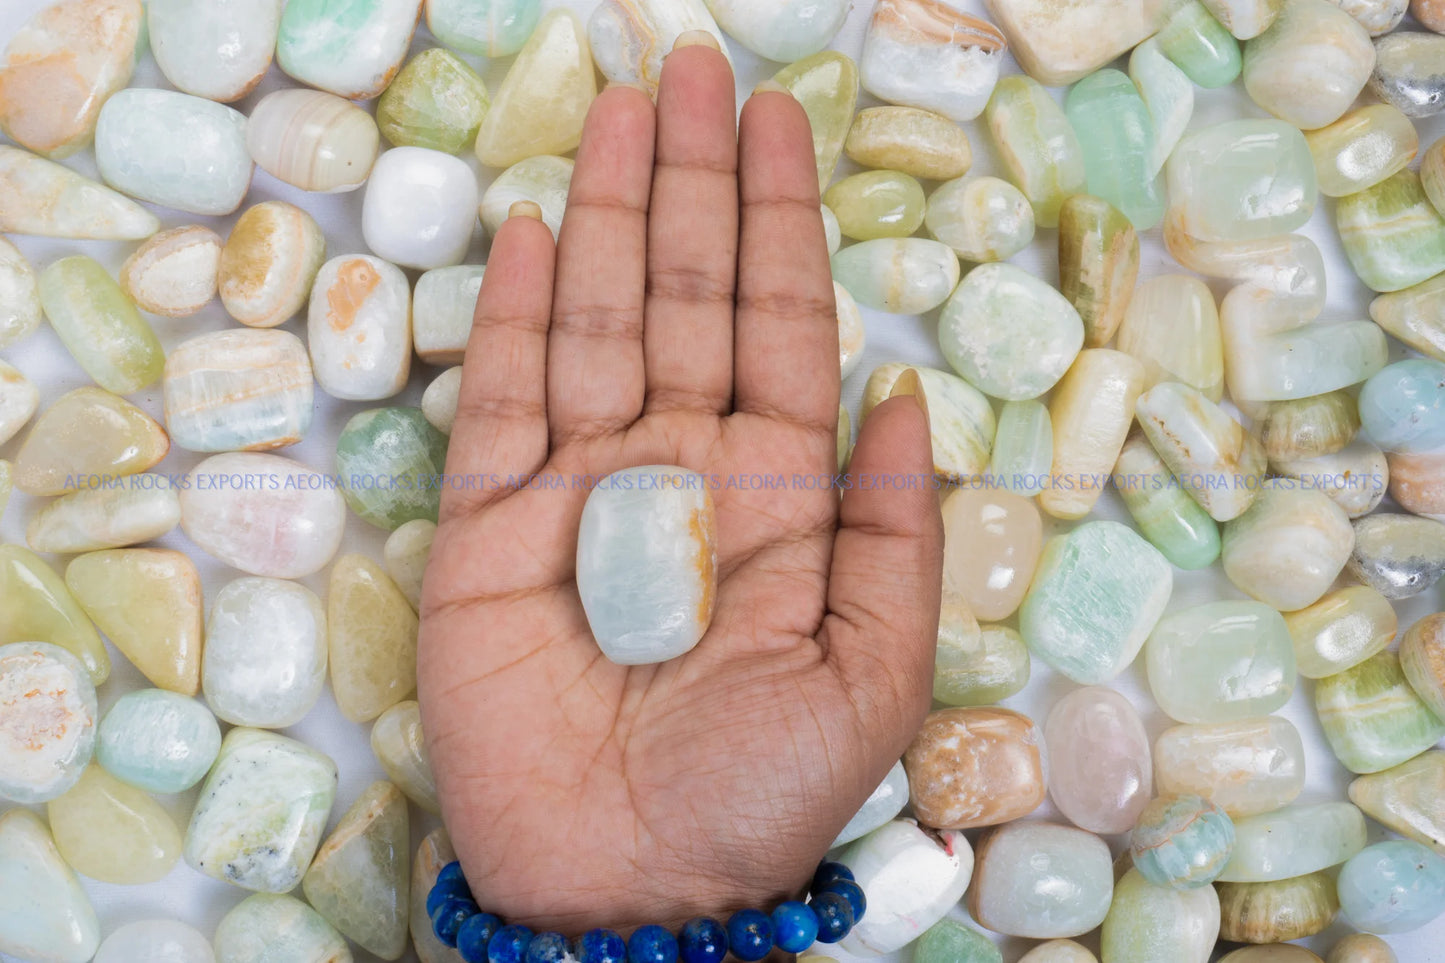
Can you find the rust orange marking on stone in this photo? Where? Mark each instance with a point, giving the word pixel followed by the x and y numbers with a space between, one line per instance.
pixel 355 281
pixel 701 525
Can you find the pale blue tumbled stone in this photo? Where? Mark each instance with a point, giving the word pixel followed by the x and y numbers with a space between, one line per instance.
pixel 1096 595
pixel 487 28
pixel 44 914
pixel 174 150
pixel 351 48
pixel 1393 887
pixel 647 563
pixel 886 802
pixel 1181 841
pixel 160 741
pixel 1402 408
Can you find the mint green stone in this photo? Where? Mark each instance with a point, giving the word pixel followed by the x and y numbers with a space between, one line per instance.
pixel 1117 137
pixel 157 740
pixel 1391 233
pixel 1221 662
pixel 1201 47
pixel 437 101
pixel 1168 93
pixel 1181 841
pixel 391 461
pixel 1242 180
pixel 99 325
pixel 487 28
pixel 1372 718
pixel 877 204
pixel 351 48
pixel 1096 595
pixel 949 941
pixel 982 669
pixel 1294 841
pixel 1166 515
pixel 1023 447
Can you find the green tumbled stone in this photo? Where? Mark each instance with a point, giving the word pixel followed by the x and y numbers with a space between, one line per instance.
pixel 982 669
pixel 436 101
pixel 1173 522
pixel 877 204
pixel 1391 233
pixel 390 461
pixel 949 941
pixel 1037 145
pixel 1372 718
pixel 100 326
pixel 1117 137
pixel 1096 595
pixel 826 84
pixel 1242 180
pixel 1159 924
pixel 1201 47
pixel 1221 662
pixel 1023 447
pixel 1098 264
pixel 1167 92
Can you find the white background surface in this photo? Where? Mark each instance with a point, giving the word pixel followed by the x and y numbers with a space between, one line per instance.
pixel 201 901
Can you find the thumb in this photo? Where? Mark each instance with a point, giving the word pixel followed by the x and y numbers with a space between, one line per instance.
pixel 887 572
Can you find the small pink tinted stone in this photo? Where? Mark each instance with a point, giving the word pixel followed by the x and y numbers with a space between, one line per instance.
pixel 1100 771
pixel 992 541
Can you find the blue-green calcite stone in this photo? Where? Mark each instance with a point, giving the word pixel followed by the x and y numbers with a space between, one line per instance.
pixel 1391 233
pixel 949 941
pixel 45 916
pixel 1201 47
pixel 1117 136
pixel 1393 887
pixel 1096 595
pixel 1242 180
pixel 487 28
pixel 1402 408
pixel 391 461
pixel 1182 841
pixel 159 741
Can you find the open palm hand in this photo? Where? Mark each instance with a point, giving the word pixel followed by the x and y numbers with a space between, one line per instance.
pixel 685 317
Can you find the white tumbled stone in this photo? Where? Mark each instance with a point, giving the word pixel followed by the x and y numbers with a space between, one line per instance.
pixel 441 309
pixel 418 208
pixel 47 722
pixel 932 55
pixel 219 49
pixel 18 400
pixel 543 180
pixel 911 879
pixel 155 941
pixel 238 389
pixel 439 401
pixel 358 328
pixel 264 663
pixel 884 804
pixel 138 509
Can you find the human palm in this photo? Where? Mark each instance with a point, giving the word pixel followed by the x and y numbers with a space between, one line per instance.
pixel 685 317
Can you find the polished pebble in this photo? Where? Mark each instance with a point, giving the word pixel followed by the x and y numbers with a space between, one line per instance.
pixel 1356 477
pixel 1215 460
pixel 443 303
pixel 909 140
pixel 1182 842
pixel 1168 93
pixel 876 204
pixel 1116 133
pixel 219 50
pixel 882 805
pixel 406 554
pixel 418 208
pixel 1201 46
pixel 981 218
pixel 1294 841
pixel 390 460
pixel 240 389
pixel 1288 548
pixel 1242 180
pixel 1392 234
pixel 1422 658
pixel 1309 66
pixel 439 401
pixel 112 832
pixel 630 39
pixel 264 663
pixel 434 853
pixel 1162 510
pixel 1417 483
pixel 1058 44
pixel 961 421
pixel 1341 630
pixel 826 84
pixel 18 400
pixel 1245 18
pixel 1040 880
pixel 360 879
pixel 1277 912
pixel 1023 448
pixel 782 31
pixel 99 325
pixel 1149 922
pixel 1058 951
pixel 397 743
pixel 1221 662
pixel 921 53
pixel 1402 407
pixel 1410 72
pixel 544 180
pixel 156 941
pixel 1037 145
pixel 911 878
pixel 1272 953
pixel 268 928
pixel 486 28
pixel 949 941
pixel 50 200
pixel 1399 555
pixel 437 101
pixel 371 639
pixel 145 507
pixel 1408 799
pixel 20 312
pixel 992 541
pixel 1362 148
pixel 358 328
pixel 1098 264
pixel 908 275
pixel 1246 768
pixel 852 334
pixel 47 722
pixel 1100 775
pixel 977 667
pixel 1393 887
pixel 268 264
pixel 158 741
pixel 1172 327
pixel 1361 948
pixel 312 140
pixel 173 273
pixel 353 56
pixel 975 767
pixel 1308 427
pixel 35 604
pixel 1372 718
pixel 45 915
pixel 1092 408
pixel 1415 315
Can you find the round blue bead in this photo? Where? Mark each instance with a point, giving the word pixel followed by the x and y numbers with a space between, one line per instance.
pixel 827 872
pixel 509 944
pixel 750 935
pixel 445 889
pixel 548 948
pixel 652 944
pixel 601 946
pixel 451 871
pixel 448 918
pixel 475 935
pixel 702 940
pixel 835 916
pixel 795 928
pixel 852 892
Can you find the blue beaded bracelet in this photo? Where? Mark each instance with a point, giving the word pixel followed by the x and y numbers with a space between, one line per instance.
pixel 836 904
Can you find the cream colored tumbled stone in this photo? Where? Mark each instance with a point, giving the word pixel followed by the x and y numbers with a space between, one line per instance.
pixel 269 263
pixel 20 312
pixel 358 328
pixel 439 401
pixel 1245 768
pixel 962 422
pixel 1091 409
pixel 113 832
pixel 1245 18
pixel 1172 327
pixel 40 197
pixel 1060 41
pixel 1356 477
pixel 406 554
pixel 630 39
pixel 35 604
pixel 18 401
pixel 1362 148
pixel 173 273
pixel 826 84
pixel 852 334
pixel 85 438
pixel 146 506
pixel 1215 460
pixel 1058 951
pixel 1341 630
pixel 398 744
pixel 1288 548
pixel 1417 482
pixel 1310 65
pixel 240 389
pixel 434 853
pixel 372 639
pixel 544 180
pixel 916 142
pixel 312 140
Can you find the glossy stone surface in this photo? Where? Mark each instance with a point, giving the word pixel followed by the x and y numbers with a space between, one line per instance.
pixel 1308 427
pixel 1403 406
pixel 371 631
pixel 1361 948
pixel 142 508
pixel 360 879
pixel 99 325
pixel 432 855
pixel 1098 264
pixel 1341 630
pixel 877 204
pixel 312 140
pixel 1309 66
pixel 1243 180
pixel 442 308
pixel 1287 909
pixel 630 39
pixel 826 84
pixel 47 722
pixel 61 66
pixel 1200 45
pixel 1116 133
pixel 265 659
pixel 269 263
pixel 1393 887
pixel 358 328
pixel 418 208
pixel 1040 880
pixel 926 54
pixel 113 832
pixel 1181 841
pixel 1372 718
pixel 1149 922
pixel 173 273
pixel 1172 327
pixel 981 218
pixel 18 401
pixel 1391 233
pixel 909 140
pixel 1355 477
pixel 353 53
pixel 267 928
pixel 1417 483
pixel 487 28
pixel 439 401
pixel 1168 93
pixel 436 102
pixel 974 767
pixel 978 667
pixel 1245 18
pixel 1410 72
pixel 160 941
pixel 1023 448
pixel 960 418
pixel 1163 511
pixel 1058 951
pixel 158 741
pixel 175 150
pixel 1216 461
pixel 1092 409
pixel 1361 149
pixel 389 461
pixel 1294 841
pixel 47 917
pixel 238 389
pixel 1245 768
pixel 231 511
pixel 50 200
pixel 1288 548
pixel 261 812
pixel 1100 775
pixel 1398 555
pixel 991 545
pixel 1221 662
pixel 1274 953
pixel 1058 43
pixel 785 31
pixel 1407 798
pixel 898 275
pixel 397 743
pixel 911 878
pixel 1037 145
pixel 1422 658
pixel 544 180
pixel 19 296
pixel 220 50
pixel 406 554
pixel 1415 316
pixel 148 603
pixel 852 335
pixel 881 806
pixel 540 107
pixel 35 604
pixel 949 941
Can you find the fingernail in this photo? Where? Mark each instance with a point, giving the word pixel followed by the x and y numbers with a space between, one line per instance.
pixel 634 86
pixel 526 209
pixel 771 87
pixel 695 38
pixel 910 385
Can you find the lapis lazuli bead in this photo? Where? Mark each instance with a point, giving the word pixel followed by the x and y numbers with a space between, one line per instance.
pixel 835 916
pixel 448 918
pixel 509 944
pixel 475 935
pixel 444 890
pixel 795 927
pixel 548 948
pixel 827 872
pixel 451 872
pixel 652 944
pixel 750 935
pixel 702 940
pixel 850 891
pixel 601 946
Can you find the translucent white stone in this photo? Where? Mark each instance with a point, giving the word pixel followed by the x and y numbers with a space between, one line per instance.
pixel 442 306
pixel 418 208
pixel 264 663
pixel 781 30
pixel 544 180
pixel 238 389
pixel 173 273
pixel 399 745
pixel 647 563
pixel 158 741
pixel 353 51
pixel 267 928
pixel 18 401
pixel 1355 478
pixel 439 401
pixel 933 55
pixel 41 197
pixel 406 553
pixel 44 914
pixel 155 941
pixel 900 275
pixel 631 38
pixel 911 879
pixel 19 296
pixel 146 506
pixel 313 140
pixel 218 50
pixel 47 724
pixel 882 806
pixel 852 335
pixel 263 514
pixel 358 328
